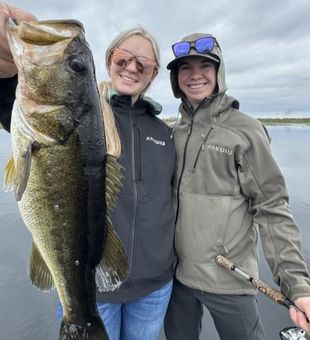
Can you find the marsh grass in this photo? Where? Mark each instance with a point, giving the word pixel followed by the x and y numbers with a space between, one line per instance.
pixel 267 121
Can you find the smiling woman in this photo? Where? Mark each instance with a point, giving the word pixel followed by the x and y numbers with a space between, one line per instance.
pixel 133 66
pixel 143 212
pixel 197 79
pixel 228 191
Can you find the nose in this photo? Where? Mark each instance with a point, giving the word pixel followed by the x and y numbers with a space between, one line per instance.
pixel 196 73
pixel 131 65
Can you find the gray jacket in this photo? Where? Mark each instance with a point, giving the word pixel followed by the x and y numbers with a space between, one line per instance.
pixel 227 188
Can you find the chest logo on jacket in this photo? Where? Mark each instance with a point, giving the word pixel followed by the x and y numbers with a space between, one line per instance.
pixel 220 149
pixel 156 141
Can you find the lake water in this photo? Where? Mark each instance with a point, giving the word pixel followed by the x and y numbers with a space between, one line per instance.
pixel 27 313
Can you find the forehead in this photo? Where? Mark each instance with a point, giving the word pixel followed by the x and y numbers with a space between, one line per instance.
pixel 195 60
pixel 139 46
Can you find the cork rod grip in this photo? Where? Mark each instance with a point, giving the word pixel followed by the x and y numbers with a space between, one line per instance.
pixel 222 261
pixel 263 287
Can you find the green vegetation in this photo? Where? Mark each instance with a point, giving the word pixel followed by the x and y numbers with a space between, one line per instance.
pixel 285 121
pixel 267 121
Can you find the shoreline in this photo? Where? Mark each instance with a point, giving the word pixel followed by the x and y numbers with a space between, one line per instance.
pixel 284 121
pixel 266 121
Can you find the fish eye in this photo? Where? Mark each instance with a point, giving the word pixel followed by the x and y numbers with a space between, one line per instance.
pixel 77 64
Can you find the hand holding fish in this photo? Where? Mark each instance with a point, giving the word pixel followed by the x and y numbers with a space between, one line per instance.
pixel 299 317
pixel 7 66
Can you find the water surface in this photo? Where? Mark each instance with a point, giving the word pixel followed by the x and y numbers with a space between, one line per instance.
pixel 27 313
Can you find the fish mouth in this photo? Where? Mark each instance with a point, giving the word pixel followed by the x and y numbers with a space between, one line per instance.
pixel 45 32
pixel 41 42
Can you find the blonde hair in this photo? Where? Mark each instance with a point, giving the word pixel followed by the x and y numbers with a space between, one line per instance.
pixel 112 137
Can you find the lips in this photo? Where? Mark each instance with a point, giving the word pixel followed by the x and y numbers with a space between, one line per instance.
pixel 197 86
pixel 128 79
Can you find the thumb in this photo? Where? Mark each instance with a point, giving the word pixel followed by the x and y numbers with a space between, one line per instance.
pixel 7 66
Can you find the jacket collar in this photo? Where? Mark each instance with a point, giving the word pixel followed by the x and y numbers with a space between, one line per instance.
pixel 210 109
pixel 143 103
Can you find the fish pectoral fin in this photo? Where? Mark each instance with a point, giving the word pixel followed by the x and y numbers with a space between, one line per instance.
pixel 22 172
pixel 113 181
pixel 112 270
pixel 9 175
pixel 16 173
pixel 39 273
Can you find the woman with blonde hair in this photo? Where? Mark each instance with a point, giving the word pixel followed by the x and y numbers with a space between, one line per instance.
pixel 143 214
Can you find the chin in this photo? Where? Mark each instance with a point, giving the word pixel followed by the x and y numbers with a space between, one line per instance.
pixel 125 89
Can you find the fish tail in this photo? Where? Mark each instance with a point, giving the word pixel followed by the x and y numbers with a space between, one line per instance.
pixel 92 330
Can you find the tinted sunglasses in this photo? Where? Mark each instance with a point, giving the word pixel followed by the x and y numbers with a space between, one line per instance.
pixel 122 57
pixel 202 45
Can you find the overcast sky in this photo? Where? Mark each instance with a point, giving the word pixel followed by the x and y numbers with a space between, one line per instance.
pixel 265 43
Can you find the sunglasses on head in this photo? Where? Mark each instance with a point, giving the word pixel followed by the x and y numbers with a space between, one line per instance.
pixel 202 45
pixel 122 57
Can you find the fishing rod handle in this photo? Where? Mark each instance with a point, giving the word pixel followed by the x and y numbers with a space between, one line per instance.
pixel 263 287
pixel 272 293
pixel 224 262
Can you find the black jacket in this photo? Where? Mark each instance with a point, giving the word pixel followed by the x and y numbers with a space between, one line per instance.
pixel 143 217
pixel 7 97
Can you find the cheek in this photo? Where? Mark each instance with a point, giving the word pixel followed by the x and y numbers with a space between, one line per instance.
pixel 181 77
pixel 213 76
pixel 113 72
pixel 114 76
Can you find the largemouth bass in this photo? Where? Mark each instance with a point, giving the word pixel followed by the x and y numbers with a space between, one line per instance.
pixel 63 180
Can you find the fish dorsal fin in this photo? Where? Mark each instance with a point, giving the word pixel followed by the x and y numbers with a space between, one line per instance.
pixel 112 270
pixel 39 273
pixel 113 181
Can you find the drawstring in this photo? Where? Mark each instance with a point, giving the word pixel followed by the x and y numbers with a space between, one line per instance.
pixel 175 125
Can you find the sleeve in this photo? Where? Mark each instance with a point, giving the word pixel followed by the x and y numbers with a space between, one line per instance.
pixel 263 183
pixel 7 97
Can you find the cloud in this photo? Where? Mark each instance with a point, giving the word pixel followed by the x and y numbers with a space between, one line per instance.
pixel 266 44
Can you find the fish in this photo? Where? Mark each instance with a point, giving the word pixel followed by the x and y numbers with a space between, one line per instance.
pixel 65 183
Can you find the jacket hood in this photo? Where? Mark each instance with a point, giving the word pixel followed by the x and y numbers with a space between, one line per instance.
pixel 215 56
pixel 155 107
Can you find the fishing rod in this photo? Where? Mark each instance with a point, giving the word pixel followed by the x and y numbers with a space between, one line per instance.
pixel 293 333
pixel 263 287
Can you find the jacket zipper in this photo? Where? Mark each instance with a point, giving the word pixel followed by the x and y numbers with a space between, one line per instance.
pixel 135 200
pixel 189 132
pixel 202 147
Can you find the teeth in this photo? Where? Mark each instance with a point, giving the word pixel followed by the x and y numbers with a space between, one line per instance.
pixel 128 79
pixel 198 86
